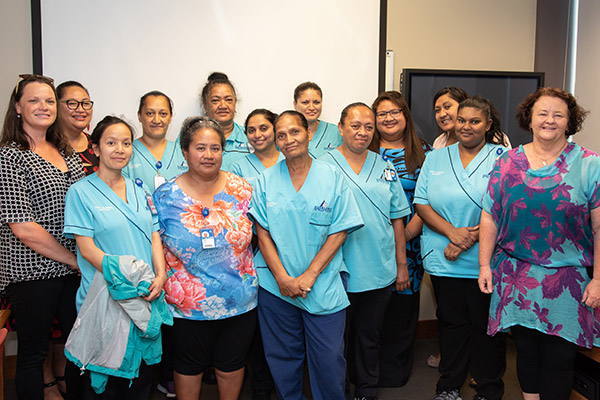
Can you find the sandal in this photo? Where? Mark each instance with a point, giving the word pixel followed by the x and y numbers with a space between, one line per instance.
pixel 60 379
pixel 50 384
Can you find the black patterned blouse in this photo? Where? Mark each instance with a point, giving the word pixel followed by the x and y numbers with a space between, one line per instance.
pixel 32 190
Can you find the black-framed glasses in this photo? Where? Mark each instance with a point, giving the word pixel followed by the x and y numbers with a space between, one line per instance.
pixel 72 104
pixel 393 113
pixel 24 77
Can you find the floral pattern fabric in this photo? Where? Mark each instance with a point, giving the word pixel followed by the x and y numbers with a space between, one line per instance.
pixel 212 283
pixel 545 244
pixel 409 181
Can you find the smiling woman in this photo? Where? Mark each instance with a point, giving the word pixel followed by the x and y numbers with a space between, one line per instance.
pixel 155 159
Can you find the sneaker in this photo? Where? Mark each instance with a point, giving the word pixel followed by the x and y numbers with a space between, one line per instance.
pixel 167 388
pixel 479 397
pixel 452 394
pixel 366 398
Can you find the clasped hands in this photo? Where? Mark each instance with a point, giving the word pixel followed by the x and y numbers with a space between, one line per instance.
pixel 461 239
pixel 296 287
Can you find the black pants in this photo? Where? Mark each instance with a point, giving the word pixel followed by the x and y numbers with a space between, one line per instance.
pixel 119 389
pixel 261 374
pixel 364 319
pixel 545 363
pixel 397 339
pixel 35 304
pixel 464 344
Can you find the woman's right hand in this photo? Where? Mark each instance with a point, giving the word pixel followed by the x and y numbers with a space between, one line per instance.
pixel 462 237
pixel 486 283
pixel 290 287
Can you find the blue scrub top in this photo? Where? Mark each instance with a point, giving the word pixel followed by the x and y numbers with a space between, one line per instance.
pixel 456 194
pixel 94 210
pixel 370 252
pixel 250 168
pixel 236 147
pixel 143 164
pixel 326 138
pixel 299 223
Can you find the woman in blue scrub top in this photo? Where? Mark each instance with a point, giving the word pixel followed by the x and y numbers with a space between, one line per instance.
pixel 155 159
pixel 324 136
pixel 374 255
pixel 219 100
pixel 110 214
pixel 448 198
pixel 260 130
pixel 303 211
pixel 397 141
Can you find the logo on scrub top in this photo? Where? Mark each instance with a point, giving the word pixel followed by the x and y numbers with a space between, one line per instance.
pixel 323 207
pixel 329 147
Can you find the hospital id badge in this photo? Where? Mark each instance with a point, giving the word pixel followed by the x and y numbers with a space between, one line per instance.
pixel 151 204
pixel 208 238
pixel 390 175
pixel 158 180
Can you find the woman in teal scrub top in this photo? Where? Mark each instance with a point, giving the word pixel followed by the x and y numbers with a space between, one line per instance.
pixel 448 198
pixel 324 136
pixel 219 100
pixel 374 255
pixel 109 214
pixel 303 211
pixel 155 159
pixel 260 131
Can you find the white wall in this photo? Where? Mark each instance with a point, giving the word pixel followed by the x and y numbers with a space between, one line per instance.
pixel 460 34
pixel 15 47
pixel 587 82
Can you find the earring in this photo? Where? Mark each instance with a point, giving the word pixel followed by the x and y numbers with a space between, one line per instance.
pixel 19 116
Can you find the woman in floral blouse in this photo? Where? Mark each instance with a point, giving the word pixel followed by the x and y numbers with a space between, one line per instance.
pixel 212 285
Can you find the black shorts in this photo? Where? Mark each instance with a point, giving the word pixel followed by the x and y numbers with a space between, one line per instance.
pixel 222 343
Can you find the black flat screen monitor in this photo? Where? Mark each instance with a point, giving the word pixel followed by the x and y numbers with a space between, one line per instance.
pixel 505 89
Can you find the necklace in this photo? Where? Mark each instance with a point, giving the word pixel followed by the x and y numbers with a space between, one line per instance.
pixel 552 156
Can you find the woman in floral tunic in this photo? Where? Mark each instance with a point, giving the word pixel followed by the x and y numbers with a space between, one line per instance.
pixel 540 223
pixel 212 285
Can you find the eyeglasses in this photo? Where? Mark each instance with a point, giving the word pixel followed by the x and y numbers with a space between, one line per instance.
pixel 24 77
pixel 393 113
pixel 73 104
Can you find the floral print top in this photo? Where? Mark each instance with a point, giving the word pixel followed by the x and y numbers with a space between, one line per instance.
pixel 207 283
pixel 545 244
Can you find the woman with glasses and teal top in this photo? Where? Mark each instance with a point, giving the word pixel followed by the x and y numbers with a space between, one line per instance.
pixel 155 159
pixel 324 136
pixel 219 101
pixel 261 136
pixel 396 140
pixel 75 114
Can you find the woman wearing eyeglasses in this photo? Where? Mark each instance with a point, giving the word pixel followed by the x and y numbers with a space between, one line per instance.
pixel 75 113
pixel 38 267
pixel 397 141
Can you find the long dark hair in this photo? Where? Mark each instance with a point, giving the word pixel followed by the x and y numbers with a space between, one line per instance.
pixel 413 144
pixel 12 130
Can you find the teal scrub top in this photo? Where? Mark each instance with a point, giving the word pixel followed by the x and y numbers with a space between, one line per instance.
pixel 456 194
pixel 93 209
pixel 370 252
pixel 143 164
pixel 326 138
pixel 236 147
pixel 250 168
pixel 299 223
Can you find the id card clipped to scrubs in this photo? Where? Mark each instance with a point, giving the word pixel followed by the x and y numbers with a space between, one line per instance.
pixel 159 179
pixel 149 200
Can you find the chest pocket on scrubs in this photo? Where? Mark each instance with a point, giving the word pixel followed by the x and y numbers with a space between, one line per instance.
pixel 319 221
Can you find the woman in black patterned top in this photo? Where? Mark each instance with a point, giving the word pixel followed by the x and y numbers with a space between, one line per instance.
pixel 38 267
pixel 75 113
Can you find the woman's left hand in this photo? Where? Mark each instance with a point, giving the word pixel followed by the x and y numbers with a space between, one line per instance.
pixel 452 252
pixel 156 287
pixel 591 295
pixel 402 279
pixel 306 282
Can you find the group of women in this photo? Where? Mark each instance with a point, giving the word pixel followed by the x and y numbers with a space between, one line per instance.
pixel 292 240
